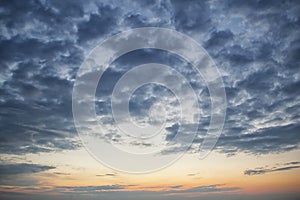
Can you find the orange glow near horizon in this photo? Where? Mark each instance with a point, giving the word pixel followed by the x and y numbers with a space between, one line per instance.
pixel 227 172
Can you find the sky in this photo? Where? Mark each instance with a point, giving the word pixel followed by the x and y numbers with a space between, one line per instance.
pixel 256 48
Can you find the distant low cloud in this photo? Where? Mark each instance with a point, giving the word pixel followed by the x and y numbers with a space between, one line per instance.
pixel 176 186
pixel 91 189
pixel 21 174
pixel 106 191
pixel 177 189
pixel 264 170
pixel 205 189
pixel 107 175
pixel 23 168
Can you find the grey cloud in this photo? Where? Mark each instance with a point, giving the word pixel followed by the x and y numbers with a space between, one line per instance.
pixel 259 85
pixel 191 16
pixel 91 189
pixel 153 196
pixel 107 175
pixel 255 172
pixel 172 131
pixel 122 189
pixel 43 43
pixel 219 38
pixel 22 168
pixel 176 186
pixel 264 170
pixel 206 189
pixel 62 173
pixel 292 163
pixel 21 174
pixel 137 20
pixel 193 174
pixel 98 24
pixel 117 191
pixel 273 139
pixel 36 91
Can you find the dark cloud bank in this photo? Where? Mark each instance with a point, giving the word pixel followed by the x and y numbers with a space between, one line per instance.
pixel 255 44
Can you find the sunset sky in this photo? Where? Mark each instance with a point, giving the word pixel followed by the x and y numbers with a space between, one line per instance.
pixel 256 48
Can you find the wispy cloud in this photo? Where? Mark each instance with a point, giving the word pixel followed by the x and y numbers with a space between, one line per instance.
pixel 91 189
pixel 264 170
pixel 107 175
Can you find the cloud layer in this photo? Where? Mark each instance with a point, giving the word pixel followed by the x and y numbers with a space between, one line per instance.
pixel 255 45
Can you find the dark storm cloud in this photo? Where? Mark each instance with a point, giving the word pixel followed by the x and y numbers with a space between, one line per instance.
pixel 254 43
pixel 264 170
